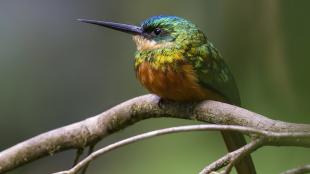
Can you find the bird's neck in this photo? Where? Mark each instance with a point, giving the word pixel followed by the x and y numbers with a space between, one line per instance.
pixel 159 58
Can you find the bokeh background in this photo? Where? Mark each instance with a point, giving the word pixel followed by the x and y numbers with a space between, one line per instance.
pixel 55 71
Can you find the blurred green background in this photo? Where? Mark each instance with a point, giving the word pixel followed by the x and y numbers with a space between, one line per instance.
pixel 55 71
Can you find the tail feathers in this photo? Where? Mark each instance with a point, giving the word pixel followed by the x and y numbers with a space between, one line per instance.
pixel 234 141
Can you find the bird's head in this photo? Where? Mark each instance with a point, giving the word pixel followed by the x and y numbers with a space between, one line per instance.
pixel 159 32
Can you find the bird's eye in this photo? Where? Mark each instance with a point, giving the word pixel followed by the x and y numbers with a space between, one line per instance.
pixel 157 31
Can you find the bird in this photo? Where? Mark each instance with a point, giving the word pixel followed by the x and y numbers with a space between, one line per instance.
pixel 175 60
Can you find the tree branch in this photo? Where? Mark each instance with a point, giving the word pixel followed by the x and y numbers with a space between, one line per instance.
pixel 143 136
pixel 91 130
pixel 230 159
pixel 298 170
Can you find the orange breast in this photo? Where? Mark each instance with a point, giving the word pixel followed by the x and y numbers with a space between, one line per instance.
pixel 177 85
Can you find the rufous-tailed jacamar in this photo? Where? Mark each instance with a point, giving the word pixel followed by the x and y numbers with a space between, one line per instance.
pixel 176 61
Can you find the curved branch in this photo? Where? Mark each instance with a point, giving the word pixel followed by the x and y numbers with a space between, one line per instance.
pixel 91 130
pixel 298 170
pixel 143 136
pixel 230 159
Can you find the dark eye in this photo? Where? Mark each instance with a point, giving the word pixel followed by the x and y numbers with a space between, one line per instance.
pixel 157 31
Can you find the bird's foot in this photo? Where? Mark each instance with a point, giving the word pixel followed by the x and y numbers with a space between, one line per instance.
pixel 163 102
pixel 79 153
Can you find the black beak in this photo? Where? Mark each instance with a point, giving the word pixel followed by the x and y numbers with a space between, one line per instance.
pixel 131 29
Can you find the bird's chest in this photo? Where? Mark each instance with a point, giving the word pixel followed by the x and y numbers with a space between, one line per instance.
pixel 174 83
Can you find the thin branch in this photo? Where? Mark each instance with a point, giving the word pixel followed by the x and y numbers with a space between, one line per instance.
pixel 298 170
pixel 178 129
pixel 91 130
pixel 230 159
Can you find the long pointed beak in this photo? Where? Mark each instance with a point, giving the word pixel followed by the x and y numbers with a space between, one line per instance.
pixel 131 29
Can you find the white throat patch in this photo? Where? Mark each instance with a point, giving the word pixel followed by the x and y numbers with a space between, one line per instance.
pixel 145 44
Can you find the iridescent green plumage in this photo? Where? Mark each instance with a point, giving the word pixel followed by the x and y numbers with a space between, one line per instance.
pixel 188 44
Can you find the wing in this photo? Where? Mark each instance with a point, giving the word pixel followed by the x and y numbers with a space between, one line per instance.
pixel 213 73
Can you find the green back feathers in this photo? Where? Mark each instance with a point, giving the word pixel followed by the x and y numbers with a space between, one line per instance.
pixel 213 73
